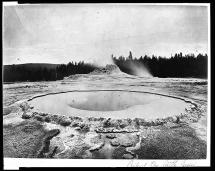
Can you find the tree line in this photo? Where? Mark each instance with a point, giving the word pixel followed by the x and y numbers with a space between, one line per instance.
pixel 73 68
pixel 14 73
pixel 176 66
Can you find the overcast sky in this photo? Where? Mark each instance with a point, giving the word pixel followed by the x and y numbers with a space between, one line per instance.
pixel 63 33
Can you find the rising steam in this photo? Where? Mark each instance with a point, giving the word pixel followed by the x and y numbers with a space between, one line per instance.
pixel 135 67
pixel 139 69
pixel 103 61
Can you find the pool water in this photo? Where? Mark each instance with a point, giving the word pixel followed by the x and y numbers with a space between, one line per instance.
pixel 115 104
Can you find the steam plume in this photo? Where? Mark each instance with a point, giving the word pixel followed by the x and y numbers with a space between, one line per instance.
pixel 139 69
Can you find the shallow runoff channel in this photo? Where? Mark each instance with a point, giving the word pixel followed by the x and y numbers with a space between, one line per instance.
pixel 110 104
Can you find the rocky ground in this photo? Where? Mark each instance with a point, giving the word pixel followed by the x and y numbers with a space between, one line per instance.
pixel 32 134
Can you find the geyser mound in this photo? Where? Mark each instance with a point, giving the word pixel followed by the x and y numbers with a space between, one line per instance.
pixel 108 69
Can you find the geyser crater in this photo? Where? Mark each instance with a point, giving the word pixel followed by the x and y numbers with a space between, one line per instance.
pixel 110 104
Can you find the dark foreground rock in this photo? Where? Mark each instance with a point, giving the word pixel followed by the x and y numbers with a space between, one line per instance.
pixel 27 115
pixel 64 121
pixel 115 142
pixel 23 140
pixel 174 143
pixel 46 143
pixel 111 136
pixel 127 156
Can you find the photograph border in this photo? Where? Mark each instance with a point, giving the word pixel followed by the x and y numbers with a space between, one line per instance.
pixel 16 163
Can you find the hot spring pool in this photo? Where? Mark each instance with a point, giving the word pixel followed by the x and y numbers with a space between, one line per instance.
pixel 111 104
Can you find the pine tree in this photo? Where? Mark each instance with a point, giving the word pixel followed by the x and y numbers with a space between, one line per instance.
pixel 130 55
